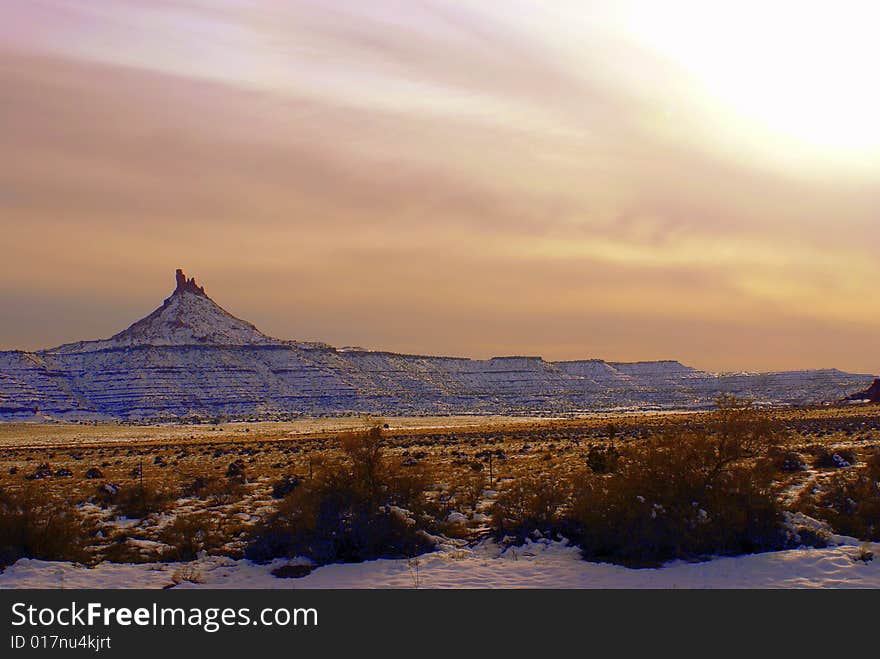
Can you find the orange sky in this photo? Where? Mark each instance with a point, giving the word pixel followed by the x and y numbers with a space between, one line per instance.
pixel 427 177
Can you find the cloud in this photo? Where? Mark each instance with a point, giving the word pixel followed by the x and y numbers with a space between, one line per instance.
pixel 420 176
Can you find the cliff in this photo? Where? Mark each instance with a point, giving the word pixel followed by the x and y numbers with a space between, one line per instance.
pixel 191 358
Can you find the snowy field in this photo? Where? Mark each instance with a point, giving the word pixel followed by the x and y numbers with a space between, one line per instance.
pixel 542 564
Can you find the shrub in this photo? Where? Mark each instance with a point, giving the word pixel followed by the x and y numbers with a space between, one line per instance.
pixel 837 459
pixel 671 500
pixel 187 535
pixel 603 459
pixel 872 465
pixel 741 431
pixel 186 574
pixel 237 471
pixel 529 505
pixel 849 501
pixel 285 486
pixel 41 472
pixel 809 534
pixel 125 549
pixel 35 526
pixel 138 501
pixel 467 489
pixel 105 494
pixel 360 508
pixel 220 490
pixel 684 495
pixel 788 461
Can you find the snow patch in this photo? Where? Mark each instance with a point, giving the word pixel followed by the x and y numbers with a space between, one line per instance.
pixel 537 564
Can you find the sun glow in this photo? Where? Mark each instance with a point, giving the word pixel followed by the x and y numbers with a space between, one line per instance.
pixel 802 73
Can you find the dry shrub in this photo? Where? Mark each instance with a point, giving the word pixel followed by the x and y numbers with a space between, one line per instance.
pixel 836 459
pixel 216 489
pixel 787 461
pixel 849 501
pixel 872 465
pixel 466 489
pixel 187 535
pixel 186 574
pixel 684 495
pixel 137 501
pixel 124 550
pixel 529 505
pixel 33 525
pixel 603 459
pixel 285 486
pixel 365 506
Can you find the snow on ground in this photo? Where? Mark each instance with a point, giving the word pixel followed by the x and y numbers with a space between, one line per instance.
pixel 542 564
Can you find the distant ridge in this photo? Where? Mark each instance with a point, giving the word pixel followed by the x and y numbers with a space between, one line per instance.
pixel 191 359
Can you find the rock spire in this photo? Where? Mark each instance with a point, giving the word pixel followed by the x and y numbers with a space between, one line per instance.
pixel 187 285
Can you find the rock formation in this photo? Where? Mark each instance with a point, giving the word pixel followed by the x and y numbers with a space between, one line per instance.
pixel 190 358
pixel 187 285
pixel 872 393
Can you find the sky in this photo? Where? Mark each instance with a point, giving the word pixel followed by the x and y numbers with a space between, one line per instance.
pixel 625 179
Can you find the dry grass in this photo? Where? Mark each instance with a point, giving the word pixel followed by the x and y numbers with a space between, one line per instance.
pixel 35 525
pixel 187 466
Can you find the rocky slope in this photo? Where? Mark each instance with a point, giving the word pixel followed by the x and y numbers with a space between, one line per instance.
pixel 870 395
pixel 190 358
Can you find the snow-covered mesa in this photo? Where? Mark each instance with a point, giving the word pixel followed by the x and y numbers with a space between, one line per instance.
pixel 190 358
pixel 538 564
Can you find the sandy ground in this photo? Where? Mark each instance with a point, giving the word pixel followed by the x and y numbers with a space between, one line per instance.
pixel 66 435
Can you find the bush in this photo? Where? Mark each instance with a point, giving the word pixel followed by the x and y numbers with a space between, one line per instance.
pixel 362 507
pixel 125 549
pixel 137 501
pixel 214 488
pixel 603 459
pixel 467 489
pixel 788 461
pixel 237 471
pixel 672 496
pixel 684 496
pixel 529 505
pixel 35 526
pixel 187 535
pixel 285 486
pixel 872 465
pixel 838 459
pixel 669 502
pixel 849 501
pixel 41 472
